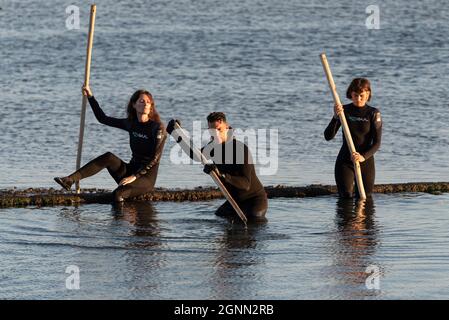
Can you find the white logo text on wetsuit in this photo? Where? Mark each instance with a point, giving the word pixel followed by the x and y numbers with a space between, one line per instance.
pixel 354 119
pixel 140 135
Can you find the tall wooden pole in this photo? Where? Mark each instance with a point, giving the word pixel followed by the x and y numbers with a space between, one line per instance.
pixel 347 133
pixel 90 39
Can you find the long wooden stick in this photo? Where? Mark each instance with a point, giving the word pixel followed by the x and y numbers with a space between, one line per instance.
pixel 90 39
pixel 197 154
pixel 347 132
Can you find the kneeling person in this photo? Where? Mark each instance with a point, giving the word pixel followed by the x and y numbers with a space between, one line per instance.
pixel 233 160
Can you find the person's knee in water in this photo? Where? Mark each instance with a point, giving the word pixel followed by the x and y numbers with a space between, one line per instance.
pixel 233 161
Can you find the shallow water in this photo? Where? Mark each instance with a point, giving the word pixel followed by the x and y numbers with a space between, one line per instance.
pixel 309 249
pixel 258 61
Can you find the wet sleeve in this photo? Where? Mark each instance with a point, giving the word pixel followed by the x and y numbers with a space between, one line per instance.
pixel 376 123
pixel 160 142
pixel 242 180
pixel 103 118
pixel 332 129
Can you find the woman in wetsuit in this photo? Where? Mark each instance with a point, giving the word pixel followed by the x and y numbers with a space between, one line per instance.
pixel 147 138
pixel 365 124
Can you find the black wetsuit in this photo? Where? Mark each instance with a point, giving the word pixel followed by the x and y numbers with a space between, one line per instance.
pixel 233 159
pixel 146 140
pixel 365 124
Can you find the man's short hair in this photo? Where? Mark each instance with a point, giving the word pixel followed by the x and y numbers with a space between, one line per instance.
pixel 216 116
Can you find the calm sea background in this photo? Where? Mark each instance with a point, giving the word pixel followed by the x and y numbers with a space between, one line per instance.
pixel 257 61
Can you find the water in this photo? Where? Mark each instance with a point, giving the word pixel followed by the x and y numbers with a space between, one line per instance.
pixel 309 249
pixel 258 61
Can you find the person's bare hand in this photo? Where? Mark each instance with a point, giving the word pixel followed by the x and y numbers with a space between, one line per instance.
pixel 86 91
pixel 357 157
pixel 338 109
pixel 127 180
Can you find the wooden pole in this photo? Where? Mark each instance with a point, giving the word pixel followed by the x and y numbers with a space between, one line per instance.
pixel 197 154
pixel 347 133
pixel 90 39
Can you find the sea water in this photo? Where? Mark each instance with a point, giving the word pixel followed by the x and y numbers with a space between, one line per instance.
pixel 257 61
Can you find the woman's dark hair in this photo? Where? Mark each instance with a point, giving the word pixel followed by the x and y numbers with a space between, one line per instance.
pixel 359 85
pixel 132 114
pixel 216 116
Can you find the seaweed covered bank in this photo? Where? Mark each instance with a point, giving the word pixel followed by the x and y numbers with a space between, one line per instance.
pixel 51 197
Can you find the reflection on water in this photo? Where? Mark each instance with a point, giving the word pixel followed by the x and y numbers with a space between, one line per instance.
pixel 356 241
pixel 143 216
pixel 237 254
pixel 311 249
pixel 141 268
pixel 234 242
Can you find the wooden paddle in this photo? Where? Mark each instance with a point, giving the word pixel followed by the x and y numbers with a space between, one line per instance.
pixel 188 147
pixel 347 133
pixel 90 39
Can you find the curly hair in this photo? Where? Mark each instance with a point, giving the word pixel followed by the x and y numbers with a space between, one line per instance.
pixel 132 114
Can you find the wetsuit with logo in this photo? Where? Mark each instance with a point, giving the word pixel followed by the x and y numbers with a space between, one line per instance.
pixel 234 161
pixel 146 140
pixel 365 124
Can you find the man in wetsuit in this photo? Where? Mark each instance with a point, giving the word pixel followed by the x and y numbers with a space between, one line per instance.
pixel 233 160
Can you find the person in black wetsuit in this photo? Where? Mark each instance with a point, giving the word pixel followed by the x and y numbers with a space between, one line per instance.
pixel 233 160
pixel 365 124
pixel 147 137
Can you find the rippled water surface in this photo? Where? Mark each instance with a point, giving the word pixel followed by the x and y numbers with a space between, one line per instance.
pixel 310 248
pixel 258 61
